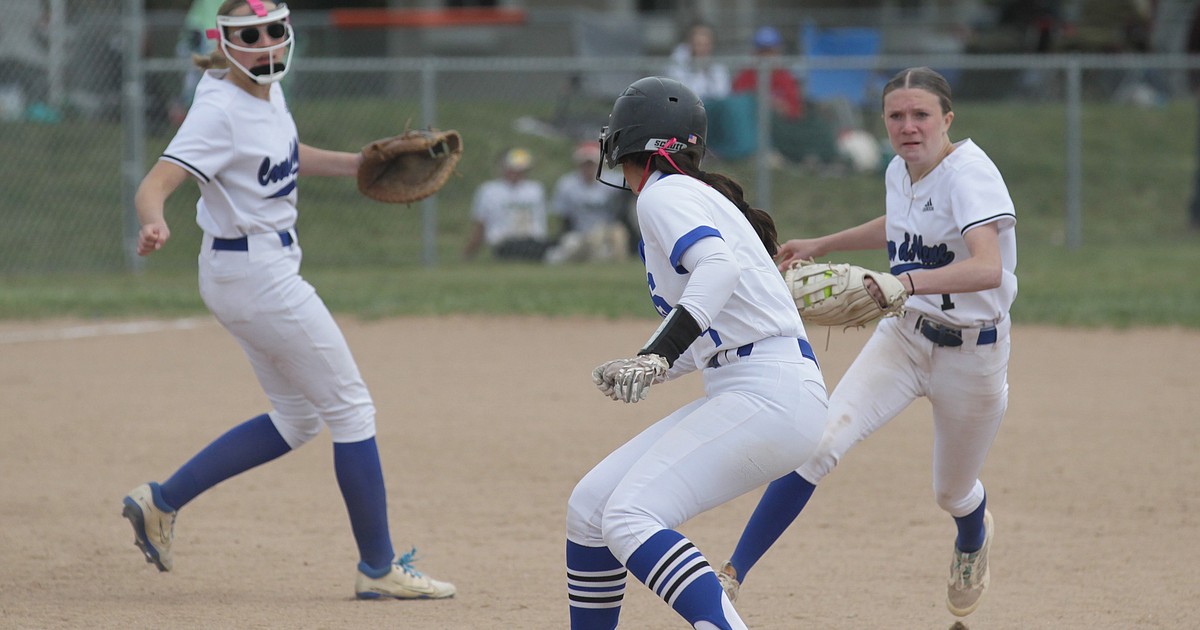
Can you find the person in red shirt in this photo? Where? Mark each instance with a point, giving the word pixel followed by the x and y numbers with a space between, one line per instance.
pixel 799 134
pixel 786 96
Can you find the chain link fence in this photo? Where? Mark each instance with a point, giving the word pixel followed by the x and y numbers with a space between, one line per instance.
pixel 83 116
pixel 60 114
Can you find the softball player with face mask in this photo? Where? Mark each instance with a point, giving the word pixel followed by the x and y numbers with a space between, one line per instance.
pixel 949 232
pixel 727 314
pixel 239 143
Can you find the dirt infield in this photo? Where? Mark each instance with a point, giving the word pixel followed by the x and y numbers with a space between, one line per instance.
pixel 485 425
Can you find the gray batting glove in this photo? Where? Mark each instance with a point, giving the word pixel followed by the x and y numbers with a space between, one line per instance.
pixel 604 376
pixel 636 375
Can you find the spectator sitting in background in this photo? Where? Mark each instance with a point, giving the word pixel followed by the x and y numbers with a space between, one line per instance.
pixel 797 132
pixel 509 212
pixel 731 131
pixel 786 96
pixel 591 213
pixel 692 64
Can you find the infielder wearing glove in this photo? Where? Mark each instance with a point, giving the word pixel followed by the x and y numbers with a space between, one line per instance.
pixel 829 294
pixel 408 167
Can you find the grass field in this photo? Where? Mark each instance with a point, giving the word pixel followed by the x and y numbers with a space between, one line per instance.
pixel 1135 268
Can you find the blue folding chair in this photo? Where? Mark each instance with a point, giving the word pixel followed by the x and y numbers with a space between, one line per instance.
pixel 856 86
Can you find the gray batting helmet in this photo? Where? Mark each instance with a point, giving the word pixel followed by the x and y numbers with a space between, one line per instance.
pixel 648 114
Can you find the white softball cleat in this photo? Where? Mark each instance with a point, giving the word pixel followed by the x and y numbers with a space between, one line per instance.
pixel 727 576
pixel 969 575
pixel 153 528
pixel 401 582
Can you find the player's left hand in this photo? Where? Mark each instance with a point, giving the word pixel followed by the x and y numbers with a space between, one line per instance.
pixel 408 167
pixel 844 295
pixel 629 380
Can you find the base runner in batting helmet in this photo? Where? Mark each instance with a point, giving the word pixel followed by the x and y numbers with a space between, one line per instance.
pixel 726 315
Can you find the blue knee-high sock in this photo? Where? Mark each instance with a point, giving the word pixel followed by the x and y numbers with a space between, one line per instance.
pixel 251 443
pixel 360 478
pixel 671 566
pixel 595 587
pixel 970 530
pixel 780 504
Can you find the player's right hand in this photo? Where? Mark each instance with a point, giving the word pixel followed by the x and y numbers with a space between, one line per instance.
pixel 629 380
pixel 151 237
pixel 604 377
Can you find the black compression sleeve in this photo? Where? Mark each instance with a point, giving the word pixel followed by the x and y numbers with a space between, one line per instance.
pixel 673 336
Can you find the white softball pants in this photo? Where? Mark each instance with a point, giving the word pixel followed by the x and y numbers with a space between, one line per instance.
pixel 967 386
pixel 761 416
pixel 296 348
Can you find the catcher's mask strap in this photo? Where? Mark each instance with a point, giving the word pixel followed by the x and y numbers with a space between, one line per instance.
pixel 279 13
pixel 257 7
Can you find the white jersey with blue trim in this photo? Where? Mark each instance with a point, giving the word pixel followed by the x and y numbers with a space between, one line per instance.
pixel 926 223
pixel 245 154
pixel 676 211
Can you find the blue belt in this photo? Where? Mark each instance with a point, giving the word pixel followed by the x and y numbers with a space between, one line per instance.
pixel 744 351
pixel 947 336
pixel 243 245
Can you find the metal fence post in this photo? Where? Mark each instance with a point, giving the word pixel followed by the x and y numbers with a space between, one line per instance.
pixel 765 148
pixel 133 114
pixel 56 40
pixel 429 205
pixel 1074 153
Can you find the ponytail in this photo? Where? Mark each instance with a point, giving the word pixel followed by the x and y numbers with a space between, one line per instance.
pixel 215 60
pixel 212 61
pixel 687 162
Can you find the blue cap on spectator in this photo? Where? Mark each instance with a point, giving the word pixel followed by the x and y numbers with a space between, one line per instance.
pixel 767 37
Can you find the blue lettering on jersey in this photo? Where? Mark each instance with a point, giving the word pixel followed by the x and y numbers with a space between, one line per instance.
pixel 661 305
pixel 914 250
pixel 664 308
pixel 286 169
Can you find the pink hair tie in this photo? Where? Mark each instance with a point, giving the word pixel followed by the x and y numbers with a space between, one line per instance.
pixel 212 33
pixel 257 7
